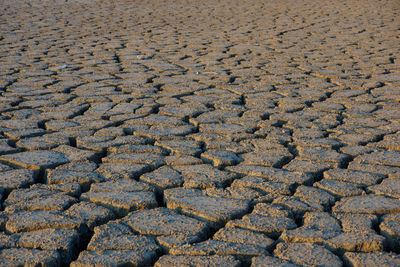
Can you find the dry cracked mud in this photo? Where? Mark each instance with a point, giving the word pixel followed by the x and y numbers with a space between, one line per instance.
pixel 199 133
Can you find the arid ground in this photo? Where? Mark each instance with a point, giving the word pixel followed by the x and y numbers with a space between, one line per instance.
pixel 199 133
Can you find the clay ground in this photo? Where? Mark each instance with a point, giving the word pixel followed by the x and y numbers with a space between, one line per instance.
pixel 200 133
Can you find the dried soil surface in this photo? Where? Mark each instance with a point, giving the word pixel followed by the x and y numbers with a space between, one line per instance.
pixel 199 133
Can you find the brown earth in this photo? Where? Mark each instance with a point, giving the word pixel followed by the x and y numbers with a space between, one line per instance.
pixel 199 133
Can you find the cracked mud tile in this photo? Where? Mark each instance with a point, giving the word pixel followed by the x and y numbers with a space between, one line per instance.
pixel 151 160
pixel 215 209
pixel 317 227
pixel 114 258
pixel 339 188
pixel 351 222
pixel 215 260
pixel 372 258
pixel 273 174
pixel 36 160
pixel 356 241
pixel 21 256
pixel 181 147
pixel 36 198
pixel 23 221
pixel 90 213
pixel 306 253
pixel 298 205
pixel 204 176
pixel 220 157
pixel 64 241
pixel 171 228
pixel 389 228
pixel 42 142
pixel 214 247
pixel 65 176
pixel 310 194
pixel 121 202
pixel 263 184
pixel 387 158
pixel 113 171
pixel 269 219
pixel 388 187
pixel 264 261
pixel 353 176
pixel 243 236
pixel 15 179
pixel 379 169
pixel 370 204
pixel 163 178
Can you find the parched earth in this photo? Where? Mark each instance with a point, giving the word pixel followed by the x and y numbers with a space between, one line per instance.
pixel 199 133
